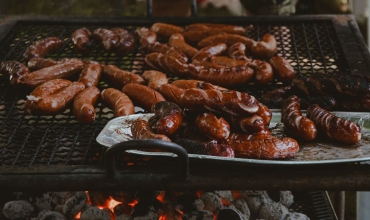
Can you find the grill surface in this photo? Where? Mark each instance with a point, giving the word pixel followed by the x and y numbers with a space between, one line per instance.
pixel 312 48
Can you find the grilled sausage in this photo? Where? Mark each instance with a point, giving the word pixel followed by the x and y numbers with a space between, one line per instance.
pixel 119 78
pixel 40 48
pixel 275 98
pixel 191 83
pixel 154 79
pixel 57 102
pixel 81 40
pixel 168 118
pixel 90 75
pixel 333 126
pixel 295 123
pixel 209 51
pixel 237 51
pixel 167 64
pixel 58 71
pixel 263 72
pixel 264 112
pixel 178 42
pixel 211 126
pixel 142 96
pixel 249 124
pixel 171 93
pixel 193 37
pixel 226 28
pixel 140 129
pixel 14 70
pixel 262 146
pixel 47 88
pixel 228 39
pixel 118 102
pixel 205 148
pixel 265 48
pixel 106 37
pixel 146 36
pixel 40 63
pixel 166 30
pixel 228 62
pixel 328 102
pixel 83 105
pixel 166 49
pixel 125 43
pixel 283 70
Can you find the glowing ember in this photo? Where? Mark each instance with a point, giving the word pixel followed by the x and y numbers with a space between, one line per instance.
pixel 78 216
pixel 160 197
pixel 132 204
pixel 110 204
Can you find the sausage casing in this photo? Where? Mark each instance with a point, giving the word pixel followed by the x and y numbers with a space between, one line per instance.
pixel 83 105
pixel 126 41
pixel 40 48
pixel 39 63
pixel 166 49
pixel 264 73
pixel 146 36
pixel 213 127
pixel 209 51
pixel 119 78
pixel 265 48
pixel 249 124
pixel 167 64
pixel 107 38
pixel 118 102
pixel 178 42
pixel 228 39
pixel 141 129
pixel 237 51
pixel 14 70
pixel 171 93
pixel 166 30
pixel 90 74
pixel 205 148
pixel 81 40
pixel 155 79
pixel 282 68
pixel 191 83
pixel 168 118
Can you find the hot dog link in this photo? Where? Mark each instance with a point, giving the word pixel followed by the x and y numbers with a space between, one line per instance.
pixel 42 47
pixel 14 70
pixel 178 42
pixel 265 48
pixel 155 79
pixel 118 101
pixel 83 105
pixel 166 30
pixel 120 78
pixel 90 75
pixel 282 68
pixel 81 40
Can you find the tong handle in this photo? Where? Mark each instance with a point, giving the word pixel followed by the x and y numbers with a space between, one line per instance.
pixel 114 150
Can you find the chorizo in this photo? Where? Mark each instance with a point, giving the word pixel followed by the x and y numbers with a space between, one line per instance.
pixel 168 118
pixel 40 63
pixel 106 37
pixel 119 78
pixel 140 129
pixel 81 40
pixel 165 30
pixel 146 37
pixel 40 48
pixel 83 105
pixel 334 127
pixel 228 39
pixel 126 41
pixel 265 48
pixel 167 64
pixel 57 102
pixel 295 123
pixel 171 93
pixel 142 96
pixel 209 51
pixel 211 148
pixel 118 102
pixel 282 68
pixel 166 49
pixel 212 127
pixel 237 51
pixel 177 41
pixel 155 79
pixel 15 70
pixel 90 75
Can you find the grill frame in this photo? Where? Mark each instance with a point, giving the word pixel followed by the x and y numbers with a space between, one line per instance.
pixel 163 174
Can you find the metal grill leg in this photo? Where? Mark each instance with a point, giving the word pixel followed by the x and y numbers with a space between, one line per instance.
pixel 339 204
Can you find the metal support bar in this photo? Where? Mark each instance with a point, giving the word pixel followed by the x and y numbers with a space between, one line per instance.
pixel 340 204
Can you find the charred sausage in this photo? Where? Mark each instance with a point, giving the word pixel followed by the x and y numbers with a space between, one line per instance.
pixel 90 75
pixel 83 105
pixel 167 64
pixel 81 40
pixel 120 78
pixel 205 148
pixel 155 79
pixel 213 127
pixel 171 93
pixel 166 30
pixel 237 51
pixel 249 124
pixel 228 39
pixel 118 102
pixel 16 71
pixel 265 48
pixel 125 43
pixel 140 129
pixel 264 73
pixel 106 37
pixel 191 83
pixel 39 63
pixel 168 118
pixel 209 51
pixel 166 49
pixel 146 36
pixel 178 42
pixel 40 48
pixel 283 70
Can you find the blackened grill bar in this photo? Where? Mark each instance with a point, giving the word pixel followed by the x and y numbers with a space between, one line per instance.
pixel 56 153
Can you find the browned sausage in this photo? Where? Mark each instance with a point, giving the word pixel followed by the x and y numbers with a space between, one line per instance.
pixel 264 112
pixel 230 29
pixel 155 79
pixel 228 62
pixel 209 51
pixel 81 40
pixel 90 75
pixel 47 88
pixel 125 43
pixel 275 98
pixel 83 105
pixel 265 48
pixel 39 63
pixel 57 102
pixel 191 83
pixel 106 37
pixel 40 48
pixel 118 102
pixel 120 78
pixel 192 37
pixel 205 148
pixel 228 39
pixel 237 51
pixel 337 128
pixel 168 118
pixel 295 123
pixel 171 93
pixel 140 129
pixel 262 147
pixel 166 30
pixel 146 36
pixel 249 124
pixel 167 64
pixel 230 101
pixel 263 72
pixel 14 70
pixel 282 68
pixel 166 49
pixel 211 126
pixel 142 96
pixel 178 42
pixel 63 70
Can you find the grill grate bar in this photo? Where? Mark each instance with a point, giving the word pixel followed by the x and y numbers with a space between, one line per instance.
pixel 322 55
pixel 296 51
pixel 308 47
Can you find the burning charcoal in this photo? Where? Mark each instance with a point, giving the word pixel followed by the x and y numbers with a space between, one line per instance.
pixel 109 212
pixel 123 196
pixel 98 198
pixel 20 209
pixel 273 211
pixel 228 214
pixel 246 193
pixel 143 208
pixel 296 216
pixel 62 197
pixel 146 195
pixel 121 209
pixel 46 215
pixel 74 204
pixel 286 198
pixel 59 208
pixel 94 213
pixel 255 203
pixel 188 202
pixel 46 201
pixel 124 217
pixel 198 215
pixel 211 202
pixel 170 211
pixel 226 196
pixel 148 216
pixel 242 208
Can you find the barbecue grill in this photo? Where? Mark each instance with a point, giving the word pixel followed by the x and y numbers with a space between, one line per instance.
pixel 57 153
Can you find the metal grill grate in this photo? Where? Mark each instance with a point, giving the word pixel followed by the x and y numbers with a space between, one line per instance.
pixel 312 47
